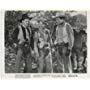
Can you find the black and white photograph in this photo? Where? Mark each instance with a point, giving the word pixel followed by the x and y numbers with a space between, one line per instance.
pixel 51 41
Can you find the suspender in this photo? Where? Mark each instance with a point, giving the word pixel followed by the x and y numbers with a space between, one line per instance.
pixel 24 32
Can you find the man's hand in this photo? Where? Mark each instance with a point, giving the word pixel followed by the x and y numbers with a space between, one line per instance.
pixel 15 45
pixel 55 42
pixel 84 49
pixel 69 48
pixel 32 52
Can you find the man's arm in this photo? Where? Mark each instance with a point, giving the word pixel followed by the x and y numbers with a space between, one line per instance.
pixel 15 36
pixel 70 35
pixel 55 33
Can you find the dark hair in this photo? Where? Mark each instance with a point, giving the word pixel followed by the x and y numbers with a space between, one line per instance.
pixel 24 16
pixel 62 17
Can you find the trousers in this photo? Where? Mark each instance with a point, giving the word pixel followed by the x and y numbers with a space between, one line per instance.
pixel 44 61
pixel 64 62
pixel 23 52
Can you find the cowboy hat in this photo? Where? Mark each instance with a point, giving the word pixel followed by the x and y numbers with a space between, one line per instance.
pixel 24 16
pixel 58 15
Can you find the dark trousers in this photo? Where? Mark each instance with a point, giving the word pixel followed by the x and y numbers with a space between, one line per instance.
pixel 64 60
pixel 22 52
pixel 77 58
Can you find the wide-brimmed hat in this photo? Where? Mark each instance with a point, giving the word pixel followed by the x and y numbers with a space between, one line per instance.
pixel 24 16
pixel 59 15
pixel 32 15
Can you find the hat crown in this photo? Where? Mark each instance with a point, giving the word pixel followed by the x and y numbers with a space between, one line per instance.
pixel 60 14
pixel 25 16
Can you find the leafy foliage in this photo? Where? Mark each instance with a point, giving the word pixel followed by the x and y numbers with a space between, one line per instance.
pixel 11 22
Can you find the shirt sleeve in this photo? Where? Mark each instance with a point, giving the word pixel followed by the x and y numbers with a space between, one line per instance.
pixel 15 35
pixel 70 35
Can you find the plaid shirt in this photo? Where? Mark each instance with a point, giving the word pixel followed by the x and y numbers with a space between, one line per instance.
pixel 65 34
pixel 61 34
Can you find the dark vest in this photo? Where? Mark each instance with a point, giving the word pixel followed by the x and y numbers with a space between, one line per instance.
pixel 16 33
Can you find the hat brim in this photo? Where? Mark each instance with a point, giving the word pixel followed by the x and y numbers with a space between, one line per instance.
pixel 30 18
pixel 54 17
pixel 20 20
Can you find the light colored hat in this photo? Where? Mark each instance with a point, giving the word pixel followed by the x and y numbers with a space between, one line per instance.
pixel 32 15
pixel 59 14
pixel 34 23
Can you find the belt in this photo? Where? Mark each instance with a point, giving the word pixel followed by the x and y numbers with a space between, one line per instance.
pixel 63 43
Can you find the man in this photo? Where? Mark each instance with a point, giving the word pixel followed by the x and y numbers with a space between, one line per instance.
pixel 64 41
pixel 21 37
pixel 38 45
pixel 44 59
pixel 79 50
pixel 47 51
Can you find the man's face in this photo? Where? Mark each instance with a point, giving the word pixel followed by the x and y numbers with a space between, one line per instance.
pixel 42 26
pixel 59 20
pixel 25 22
pixel 77 30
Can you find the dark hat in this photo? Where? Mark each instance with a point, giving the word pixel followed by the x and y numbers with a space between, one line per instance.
pixel 24 16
